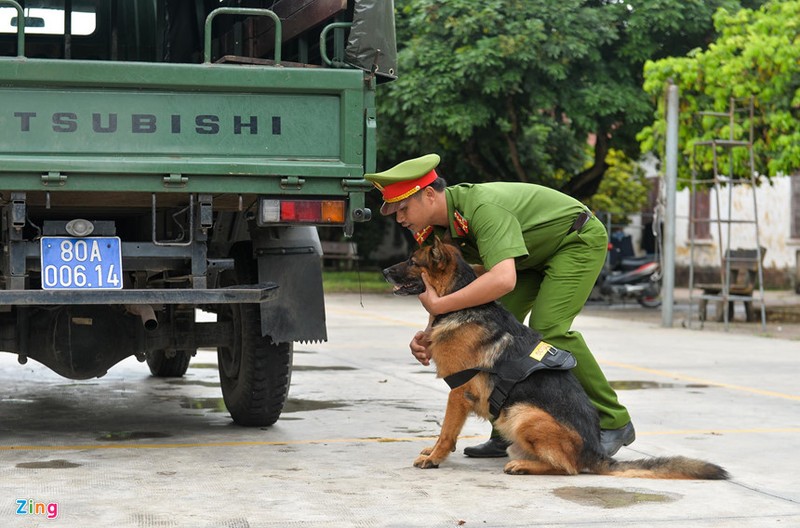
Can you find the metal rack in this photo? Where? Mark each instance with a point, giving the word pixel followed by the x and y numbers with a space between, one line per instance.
pixel 718 183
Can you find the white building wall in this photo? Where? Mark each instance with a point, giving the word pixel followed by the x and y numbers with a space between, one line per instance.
pixel 773 202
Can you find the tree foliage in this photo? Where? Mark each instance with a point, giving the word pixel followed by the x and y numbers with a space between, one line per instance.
pixel 624 189
pixel 756 55
pixel 512 89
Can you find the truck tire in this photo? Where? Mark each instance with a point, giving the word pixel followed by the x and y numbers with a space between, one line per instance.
pixel 162 366
pixel 254 373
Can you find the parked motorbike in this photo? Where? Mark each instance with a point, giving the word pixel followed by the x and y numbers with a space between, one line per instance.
pixel 627 277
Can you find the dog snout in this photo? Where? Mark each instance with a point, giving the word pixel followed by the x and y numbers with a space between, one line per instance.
pixel 395 271
pixel 390 274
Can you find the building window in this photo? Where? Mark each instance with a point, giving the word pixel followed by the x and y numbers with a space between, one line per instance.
pixel 700 228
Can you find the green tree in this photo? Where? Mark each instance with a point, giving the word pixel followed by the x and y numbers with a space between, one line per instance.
pixel 623 191
pixel 512 89
pixel 757 54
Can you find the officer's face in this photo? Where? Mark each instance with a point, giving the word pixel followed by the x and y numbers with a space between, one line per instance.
pixel 413 213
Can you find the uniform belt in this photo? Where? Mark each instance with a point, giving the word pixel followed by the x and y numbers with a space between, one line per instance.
pixel 580 222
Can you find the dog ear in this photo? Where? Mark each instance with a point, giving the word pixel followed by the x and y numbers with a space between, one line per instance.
pixel 436 252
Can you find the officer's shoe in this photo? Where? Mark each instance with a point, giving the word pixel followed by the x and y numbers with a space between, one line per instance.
pixel 495 447
pixel 613 439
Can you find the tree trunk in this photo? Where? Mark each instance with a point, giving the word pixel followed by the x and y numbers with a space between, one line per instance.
pixel 585 184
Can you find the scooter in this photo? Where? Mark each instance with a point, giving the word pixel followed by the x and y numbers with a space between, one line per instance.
pixel 628 277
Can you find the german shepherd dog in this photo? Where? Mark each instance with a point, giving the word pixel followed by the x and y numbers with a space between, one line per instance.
pixel 548 418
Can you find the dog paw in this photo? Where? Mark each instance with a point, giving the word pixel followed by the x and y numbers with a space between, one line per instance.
pixel 515 467
pixel 425 462
pixel 427 451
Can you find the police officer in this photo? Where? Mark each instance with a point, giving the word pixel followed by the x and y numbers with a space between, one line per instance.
pixel 537 251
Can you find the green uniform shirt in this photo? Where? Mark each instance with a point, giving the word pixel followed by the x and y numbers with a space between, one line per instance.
pixel 523 221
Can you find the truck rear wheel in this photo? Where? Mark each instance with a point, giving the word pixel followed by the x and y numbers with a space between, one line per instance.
pixel 162 366
pixel 254 373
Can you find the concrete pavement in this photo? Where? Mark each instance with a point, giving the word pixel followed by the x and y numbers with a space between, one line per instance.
pixel 782 310
pixel 131 450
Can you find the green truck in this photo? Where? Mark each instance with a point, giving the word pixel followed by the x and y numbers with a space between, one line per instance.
pixel 164 157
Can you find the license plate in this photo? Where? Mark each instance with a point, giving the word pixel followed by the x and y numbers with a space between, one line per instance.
pixel 71 263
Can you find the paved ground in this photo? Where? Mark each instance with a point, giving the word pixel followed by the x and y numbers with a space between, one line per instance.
pixel 782 310
pixel 128 450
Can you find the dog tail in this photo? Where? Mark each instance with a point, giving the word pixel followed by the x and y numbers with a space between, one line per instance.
pixel 662 468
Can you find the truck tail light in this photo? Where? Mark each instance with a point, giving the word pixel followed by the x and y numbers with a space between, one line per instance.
pixel 272 211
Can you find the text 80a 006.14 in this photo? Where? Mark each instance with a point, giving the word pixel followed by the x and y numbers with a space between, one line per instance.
pixel 81 263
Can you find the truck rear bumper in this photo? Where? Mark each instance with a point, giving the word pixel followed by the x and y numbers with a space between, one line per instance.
pixel 255 293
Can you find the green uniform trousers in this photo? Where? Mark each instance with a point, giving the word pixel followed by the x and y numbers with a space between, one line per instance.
pixel 555 295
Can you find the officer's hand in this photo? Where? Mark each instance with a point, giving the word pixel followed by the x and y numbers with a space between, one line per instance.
pixel 419 348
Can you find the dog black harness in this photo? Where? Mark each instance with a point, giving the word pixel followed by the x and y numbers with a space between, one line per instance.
pixel 511 371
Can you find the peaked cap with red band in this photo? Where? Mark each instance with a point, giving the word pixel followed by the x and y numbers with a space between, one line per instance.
pixel 403 180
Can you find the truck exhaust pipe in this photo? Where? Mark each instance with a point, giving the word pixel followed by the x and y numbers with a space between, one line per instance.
pixel 146 313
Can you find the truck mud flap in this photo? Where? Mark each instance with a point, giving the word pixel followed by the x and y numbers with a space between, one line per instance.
pixel 297 312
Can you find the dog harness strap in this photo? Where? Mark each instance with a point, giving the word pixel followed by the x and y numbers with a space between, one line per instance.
pixel 544 356
pixel 459 378
pixel 498 397
pixel 513 371
pixel 509 372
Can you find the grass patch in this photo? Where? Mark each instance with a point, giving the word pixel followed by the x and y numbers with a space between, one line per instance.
pixel 369 281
